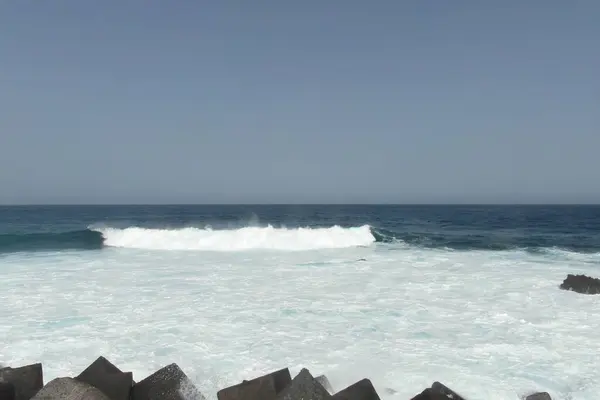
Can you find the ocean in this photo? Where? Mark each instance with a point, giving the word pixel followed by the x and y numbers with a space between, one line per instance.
pixel 403 295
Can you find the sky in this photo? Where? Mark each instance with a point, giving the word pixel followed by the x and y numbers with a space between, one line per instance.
pixel 341 101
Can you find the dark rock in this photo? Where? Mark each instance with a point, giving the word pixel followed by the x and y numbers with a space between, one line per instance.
pixel 168 383
pixel 539 396
pixel 581 284
pixel 322 379
pixel 281 379
pixel 27 380
pixel 256 389
pixel 361 390
pixel 262 388
pixel 69 388
pixel 437 387
pixel 438 391
pixel 103 375
pixel 429 394
pixel 7 391
pixel 390 391
pixel 304 386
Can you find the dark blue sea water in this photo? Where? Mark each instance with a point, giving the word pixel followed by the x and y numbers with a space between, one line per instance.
pixel 571 228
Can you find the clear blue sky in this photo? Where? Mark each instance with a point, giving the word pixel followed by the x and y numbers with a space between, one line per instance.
pixel 307 101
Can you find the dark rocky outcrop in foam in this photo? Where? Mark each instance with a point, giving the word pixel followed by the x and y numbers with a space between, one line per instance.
pixel 168 383
pixel 109 379
pixel 429 394
pixel 69 389
pixel 256 389
pixel 102 380
pixel 438 391
pixel 361 390
pixel 27 380
pixel 266 387
pixel 581 284
pixel 539 396
pixel 304 386
pixel 7 391
pixel 322 379
pixel 445 390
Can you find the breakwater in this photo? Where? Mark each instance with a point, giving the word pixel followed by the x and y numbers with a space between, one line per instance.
pixel 102 380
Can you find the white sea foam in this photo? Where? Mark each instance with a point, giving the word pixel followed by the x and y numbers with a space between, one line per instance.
pixel 491 325
pixel 247 238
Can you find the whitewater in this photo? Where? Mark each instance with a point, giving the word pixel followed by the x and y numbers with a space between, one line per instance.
pixel 246 238
pixel 232 304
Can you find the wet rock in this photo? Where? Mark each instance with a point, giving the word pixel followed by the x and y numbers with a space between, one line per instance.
pixel 438 387
pixel 322 379
pixel 281 379
pixel 168 383
pixel 438 391
pixel 27 380
pixel 69 388
pixel 581 284
pixel 429 394
pixel 304 386
pixel 262 388
pixel 361 390
pixel 109 379
pixel 539 396
pixel 7 391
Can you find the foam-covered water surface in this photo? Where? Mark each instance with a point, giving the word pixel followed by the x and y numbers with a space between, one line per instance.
pixel 490 324
pixel 404 295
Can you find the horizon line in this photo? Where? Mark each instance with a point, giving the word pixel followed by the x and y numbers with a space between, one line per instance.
pixel 289 204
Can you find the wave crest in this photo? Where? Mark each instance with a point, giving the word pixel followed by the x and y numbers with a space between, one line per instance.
pixel 247 238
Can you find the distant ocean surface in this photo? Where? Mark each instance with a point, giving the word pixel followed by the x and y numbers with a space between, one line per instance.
pixel 404 295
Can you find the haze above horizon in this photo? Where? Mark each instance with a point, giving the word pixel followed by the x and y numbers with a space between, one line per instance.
pixel 337 102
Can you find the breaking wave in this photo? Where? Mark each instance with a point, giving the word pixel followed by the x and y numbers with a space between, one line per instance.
pixel 247 238
pixel 283 239
pixel 199 239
